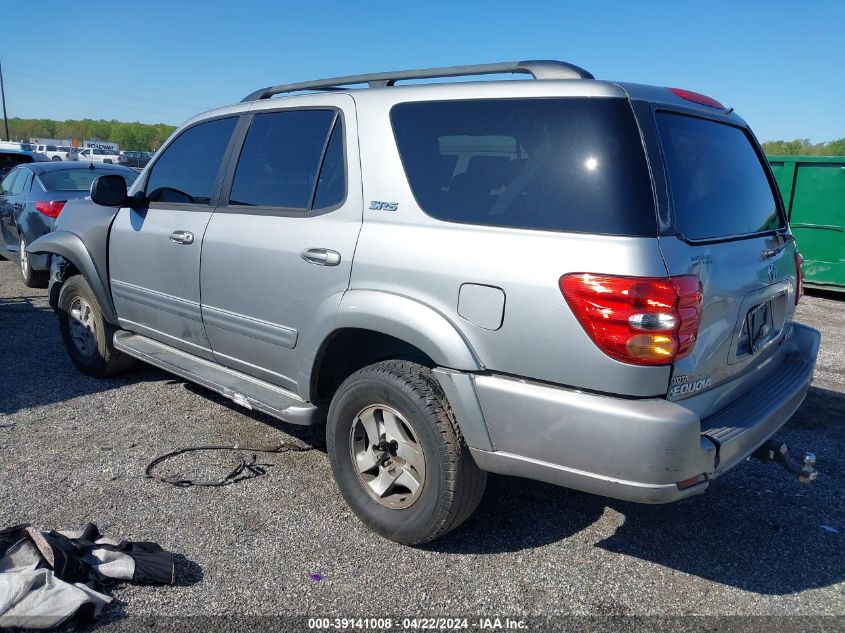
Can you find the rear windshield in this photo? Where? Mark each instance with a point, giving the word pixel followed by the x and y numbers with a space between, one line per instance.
pixel 7 161
pixel 79 179
pixel 719 186
pixel 568 164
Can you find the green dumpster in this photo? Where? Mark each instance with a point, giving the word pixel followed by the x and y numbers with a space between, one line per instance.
pixel 813 190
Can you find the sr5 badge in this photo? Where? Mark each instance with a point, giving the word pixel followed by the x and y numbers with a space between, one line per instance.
pixel 378 205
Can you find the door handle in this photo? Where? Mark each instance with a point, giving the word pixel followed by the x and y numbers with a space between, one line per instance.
pixel 182 237
pixel 321 256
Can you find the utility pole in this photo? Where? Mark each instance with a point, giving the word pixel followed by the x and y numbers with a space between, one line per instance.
pixel 3 95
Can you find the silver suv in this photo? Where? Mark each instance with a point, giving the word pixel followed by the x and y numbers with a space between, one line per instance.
pixel 583 282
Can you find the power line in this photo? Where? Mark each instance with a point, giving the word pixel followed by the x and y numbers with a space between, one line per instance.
pixel 17 82
pixel 73 86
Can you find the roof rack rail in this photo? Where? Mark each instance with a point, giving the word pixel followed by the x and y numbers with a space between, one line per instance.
pixel 539 69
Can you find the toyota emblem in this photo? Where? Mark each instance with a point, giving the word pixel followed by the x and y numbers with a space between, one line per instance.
pixel 773 273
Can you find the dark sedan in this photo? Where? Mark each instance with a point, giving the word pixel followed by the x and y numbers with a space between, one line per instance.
pixel 32 195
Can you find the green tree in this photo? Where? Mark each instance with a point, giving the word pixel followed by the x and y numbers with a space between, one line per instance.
pixel 130 136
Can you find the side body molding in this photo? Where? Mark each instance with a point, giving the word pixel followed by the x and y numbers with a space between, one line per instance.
pixel 70 246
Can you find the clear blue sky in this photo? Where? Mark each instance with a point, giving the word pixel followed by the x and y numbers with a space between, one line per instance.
pixel 781 64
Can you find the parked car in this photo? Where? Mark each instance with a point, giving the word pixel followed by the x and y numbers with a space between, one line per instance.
pixel 57 153
pixel 9 158
pixel 97 155
pixel 584 282
pixel 32 196
pixel 136 159
pixel 813 189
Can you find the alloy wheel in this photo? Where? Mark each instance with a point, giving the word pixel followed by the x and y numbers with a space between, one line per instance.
pixel 83 328
pixel 387 456
pixel 24 259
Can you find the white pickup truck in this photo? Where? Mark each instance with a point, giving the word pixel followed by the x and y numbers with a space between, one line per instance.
pixel 57 152
pixel 97 155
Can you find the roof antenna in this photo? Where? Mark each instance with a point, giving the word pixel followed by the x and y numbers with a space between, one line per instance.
pixel 91 165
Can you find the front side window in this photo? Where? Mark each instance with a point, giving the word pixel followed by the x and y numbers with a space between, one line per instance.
pixel 718 184
pixel 281 159
pixel 558 164
pixel 187 169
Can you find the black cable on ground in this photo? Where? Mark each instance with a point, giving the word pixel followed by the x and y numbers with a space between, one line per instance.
pixel 249 468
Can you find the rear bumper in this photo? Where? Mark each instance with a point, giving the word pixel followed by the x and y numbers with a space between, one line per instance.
pixel 637 450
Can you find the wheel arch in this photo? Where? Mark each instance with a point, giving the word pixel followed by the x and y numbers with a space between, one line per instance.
pixel 397 325
pixel 70 247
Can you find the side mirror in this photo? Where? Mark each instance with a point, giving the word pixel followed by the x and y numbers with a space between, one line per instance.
pixel 109 190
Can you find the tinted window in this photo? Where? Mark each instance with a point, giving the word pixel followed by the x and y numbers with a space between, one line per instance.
pixel 552 164
pixel 331 185
pixel 7 161
pixel 79 179
pixel 22 182
pixel 718 184
pixel 187 169
pixel 280 159
pixel 9 181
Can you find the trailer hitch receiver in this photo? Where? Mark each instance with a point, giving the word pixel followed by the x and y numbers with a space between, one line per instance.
pixel 776 451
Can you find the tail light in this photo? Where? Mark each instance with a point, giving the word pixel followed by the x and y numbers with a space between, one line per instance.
pixel 50 208
pixel 637 320
pixel 799 277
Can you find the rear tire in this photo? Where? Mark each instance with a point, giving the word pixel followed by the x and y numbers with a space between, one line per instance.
pixel 86 334
pixel 31 278
pixel 56 159
pixel 401 405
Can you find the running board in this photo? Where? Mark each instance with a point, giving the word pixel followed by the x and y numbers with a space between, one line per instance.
pixel 247 391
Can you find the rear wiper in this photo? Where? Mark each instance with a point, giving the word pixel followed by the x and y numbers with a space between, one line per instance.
pixel 771 252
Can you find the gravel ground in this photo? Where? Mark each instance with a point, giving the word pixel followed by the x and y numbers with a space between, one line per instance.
pixel 73 449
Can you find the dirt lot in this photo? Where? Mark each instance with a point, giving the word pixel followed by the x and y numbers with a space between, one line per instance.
pixel 73 449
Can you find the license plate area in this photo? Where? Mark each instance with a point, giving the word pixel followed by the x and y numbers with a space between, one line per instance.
pixel 762 326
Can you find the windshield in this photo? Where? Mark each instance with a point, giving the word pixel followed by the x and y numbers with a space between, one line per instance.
pixel 79 179
pixel 718 184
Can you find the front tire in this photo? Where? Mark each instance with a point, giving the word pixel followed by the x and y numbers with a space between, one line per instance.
pixel 86 334
pixel 56 159
pixel 30 277
pixel 397 455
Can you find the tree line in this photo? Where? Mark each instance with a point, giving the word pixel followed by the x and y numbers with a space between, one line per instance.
pixel 130 136
pixel 803 147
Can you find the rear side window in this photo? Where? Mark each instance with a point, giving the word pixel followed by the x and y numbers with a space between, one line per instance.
pixel 9 181
pixel 331 184
pixel 22 182
pixel 718 184
pixel 573 164
pixel 281 158
pixel 187 169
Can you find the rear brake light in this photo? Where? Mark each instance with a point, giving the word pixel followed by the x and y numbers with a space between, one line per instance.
pixel 697 97
pixel 799 277
pixel 51 208
pixel 637 320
